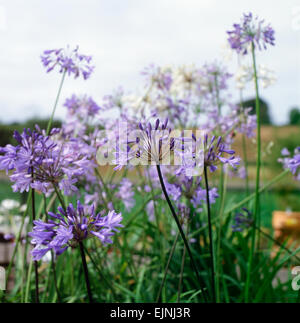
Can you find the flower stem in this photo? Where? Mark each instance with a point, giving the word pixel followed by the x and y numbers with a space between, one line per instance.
pixel 52 255
pixel 180 230
pixel 246 164
pixel 28 282
pixel 86 273
pixel 256 217
pixel 105 280
pixel 245 158
pixel 211 246
pixel 167 267
pixel 158 239
pixel 181 274
pixel 36 265
pixel 219 238
pixel 258 157
pixel 55 104
pixel 59 197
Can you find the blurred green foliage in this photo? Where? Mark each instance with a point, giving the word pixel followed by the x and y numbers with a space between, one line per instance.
pixel 264 110
pixel 6 130
pixel 294 116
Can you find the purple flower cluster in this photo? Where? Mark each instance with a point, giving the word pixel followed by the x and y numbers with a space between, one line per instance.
pixel 214 153
pixel 126 194
pixel 151 145
pixel 250 31
pixel 206 153
pixel 69 227
pixel 39 162
pixel 200 196
pixel 162 79
pixel 214 79
pixel 242 220
pixel 81 106
pixel 69 61
pixel 291 163
pixel 82 112
pixel 174 191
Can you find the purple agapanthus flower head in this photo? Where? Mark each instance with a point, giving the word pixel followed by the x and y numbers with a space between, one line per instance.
pixel 150 145
pixel 40 162
pixel 291 162
pixel 199 197
pixel 214 79
pixel 81 106
pixel 68 60
pixel 251 30
pixel 126 193
pixel 242 220
pixel 161 78
pixel 215 151
pixel 67 228
pixel 174 191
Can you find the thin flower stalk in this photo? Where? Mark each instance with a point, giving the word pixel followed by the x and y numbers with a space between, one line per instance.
pixel 181 231
pixel 211 242
pixel 86 272
pixel 55 103
pixel 167 268
pixel 256 217
pixel 36 265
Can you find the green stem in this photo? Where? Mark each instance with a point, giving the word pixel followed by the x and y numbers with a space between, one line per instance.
pixel 86 273
pixel 181 273
pixel 180 230
pixel 246 164
pixel 28 282
pixel 52 256
pixel 110 286
pixel 55 103
pixel 258 157
pixel 211 242
pixel 245 158
pixel 167 268
pixel 55 276
pixel 60 197
pixel 218 251
pixel 36 265
pixel 256 214
pixel 158 240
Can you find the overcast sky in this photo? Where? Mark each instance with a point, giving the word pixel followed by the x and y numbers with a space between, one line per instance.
pixel 124 36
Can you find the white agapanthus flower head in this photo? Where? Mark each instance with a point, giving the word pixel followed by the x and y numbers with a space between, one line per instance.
pixel 185 78
pixel 9 204
pixel 245 74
